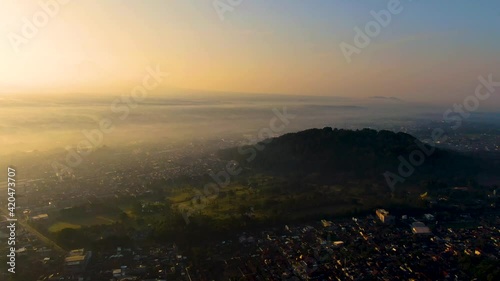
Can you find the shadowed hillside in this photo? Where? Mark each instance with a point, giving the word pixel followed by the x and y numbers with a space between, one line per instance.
pixel 337 155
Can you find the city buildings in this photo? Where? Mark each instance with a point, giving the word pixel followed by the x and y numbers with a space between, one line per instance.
pixel 77 260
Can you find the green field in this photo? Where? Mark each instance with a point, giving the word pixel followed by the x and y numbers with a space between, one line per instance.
pixel 77 223
pixel 58 226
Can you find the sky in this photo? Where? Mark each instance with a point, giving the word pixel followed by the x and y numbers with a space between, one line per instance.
pixel 431 51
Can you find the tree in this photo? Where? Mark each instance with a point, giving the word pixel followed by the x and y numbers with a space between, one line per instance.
pixel 124 217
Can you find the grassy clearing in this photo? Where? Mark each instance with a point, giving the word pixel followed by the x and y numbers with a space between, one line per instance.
pixel 77 223
pixel 182 196
pixel 58 226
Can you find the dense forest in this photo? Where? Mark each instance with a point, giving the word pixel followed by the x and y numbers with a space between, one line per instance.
pixel 338 155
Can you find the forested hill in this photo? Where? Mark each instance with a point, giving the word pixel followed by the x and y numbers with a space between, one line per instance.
pixel 337 154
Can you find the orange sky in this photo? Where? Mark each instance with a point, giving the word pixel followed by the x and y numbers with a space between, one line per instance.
pixel 105 46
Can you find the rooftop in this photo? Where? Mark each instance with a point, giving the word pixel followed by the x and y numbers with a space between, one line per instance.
pixel 420 228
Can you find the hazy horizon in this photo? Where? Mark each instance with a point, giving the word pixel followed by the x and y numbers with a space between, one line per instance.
pixel 44 123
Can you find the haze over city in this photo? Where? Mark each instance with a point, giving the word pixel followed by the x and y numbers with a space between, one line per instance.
pixel 87 53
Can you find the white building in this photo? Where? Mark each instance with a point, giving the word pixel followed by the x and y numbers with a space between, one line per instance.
pixel 420 228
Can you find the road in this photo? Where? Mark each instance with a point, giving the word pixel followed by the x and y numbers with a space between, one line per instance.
pixel 51 244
